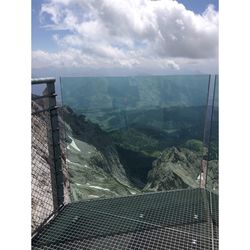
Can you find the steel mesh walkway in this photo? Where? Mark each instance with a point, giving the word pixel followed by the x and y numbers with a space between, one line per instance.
pixel 182 219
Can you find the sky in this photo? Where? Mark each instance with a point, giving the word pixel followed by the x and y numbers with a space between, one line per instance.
pixel 124 37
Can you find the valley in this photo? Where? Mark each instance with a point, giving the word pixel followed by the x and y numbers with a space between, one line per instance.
pixel 128 135
pixel 140 157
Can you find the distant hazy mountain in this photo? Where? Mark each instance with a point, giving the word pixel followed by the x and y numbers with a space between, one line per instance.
pixel 112 93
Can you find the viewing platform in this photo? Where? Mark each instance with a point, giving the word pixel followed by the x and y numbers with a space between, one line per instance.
pixel 179 219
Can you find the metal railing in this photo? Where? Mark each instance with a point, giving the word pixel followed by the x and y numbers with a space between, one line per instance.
pixel 47 171
pixel 48 187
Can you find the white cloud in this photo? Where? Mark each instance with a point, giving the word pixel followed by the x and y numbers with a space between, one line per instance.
pixel 129 33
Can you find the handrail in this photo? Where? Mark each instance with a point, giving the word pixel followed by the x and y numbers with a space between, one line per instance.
pixel 47 80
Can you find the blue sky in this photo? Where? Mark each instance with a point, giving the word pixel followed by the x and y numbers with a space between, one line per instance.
pixel 198 6
pixel 118 36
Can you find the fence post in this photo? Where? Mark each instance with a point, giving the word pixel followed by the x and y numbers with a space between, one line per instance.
pixel 57 161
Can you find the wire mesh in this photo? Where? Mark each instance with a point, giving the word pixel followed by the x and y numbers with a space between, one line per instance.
pixel 165 220
pixel 41 181
pixel 215 214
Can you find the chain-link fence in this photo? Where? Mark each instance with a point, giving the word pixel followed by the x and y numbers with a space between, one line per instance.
pixel 42 195
pixel 47 174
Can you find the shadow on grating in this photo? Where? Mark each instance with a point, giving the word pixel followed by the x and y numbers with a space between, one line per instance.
pixel 165 220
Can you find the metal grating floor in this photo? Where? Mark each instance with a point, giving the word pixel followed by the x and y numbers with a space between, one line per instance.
pixel 181 219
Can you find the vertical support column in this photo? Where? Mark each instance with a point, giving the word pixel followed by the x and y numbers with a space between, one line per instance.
pixel 207 130
pixel 57 161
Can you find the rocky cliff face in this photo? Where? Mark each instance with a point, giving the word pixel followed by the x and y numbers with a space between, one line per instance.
pixel 94 165
pixel 175 168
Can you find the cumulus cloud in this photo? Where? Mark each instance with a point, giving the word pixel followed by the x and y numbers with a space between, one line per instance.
pixel 128 33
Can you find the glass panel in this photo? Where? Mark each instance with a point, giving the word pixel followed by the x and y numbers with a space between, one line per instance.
pixel 128 135
pixel 213 151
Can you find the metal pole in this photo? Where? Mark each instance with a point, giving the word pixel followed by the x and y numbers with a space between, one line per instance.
pixel 207 131
pixel 57 161
pixel 211 121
